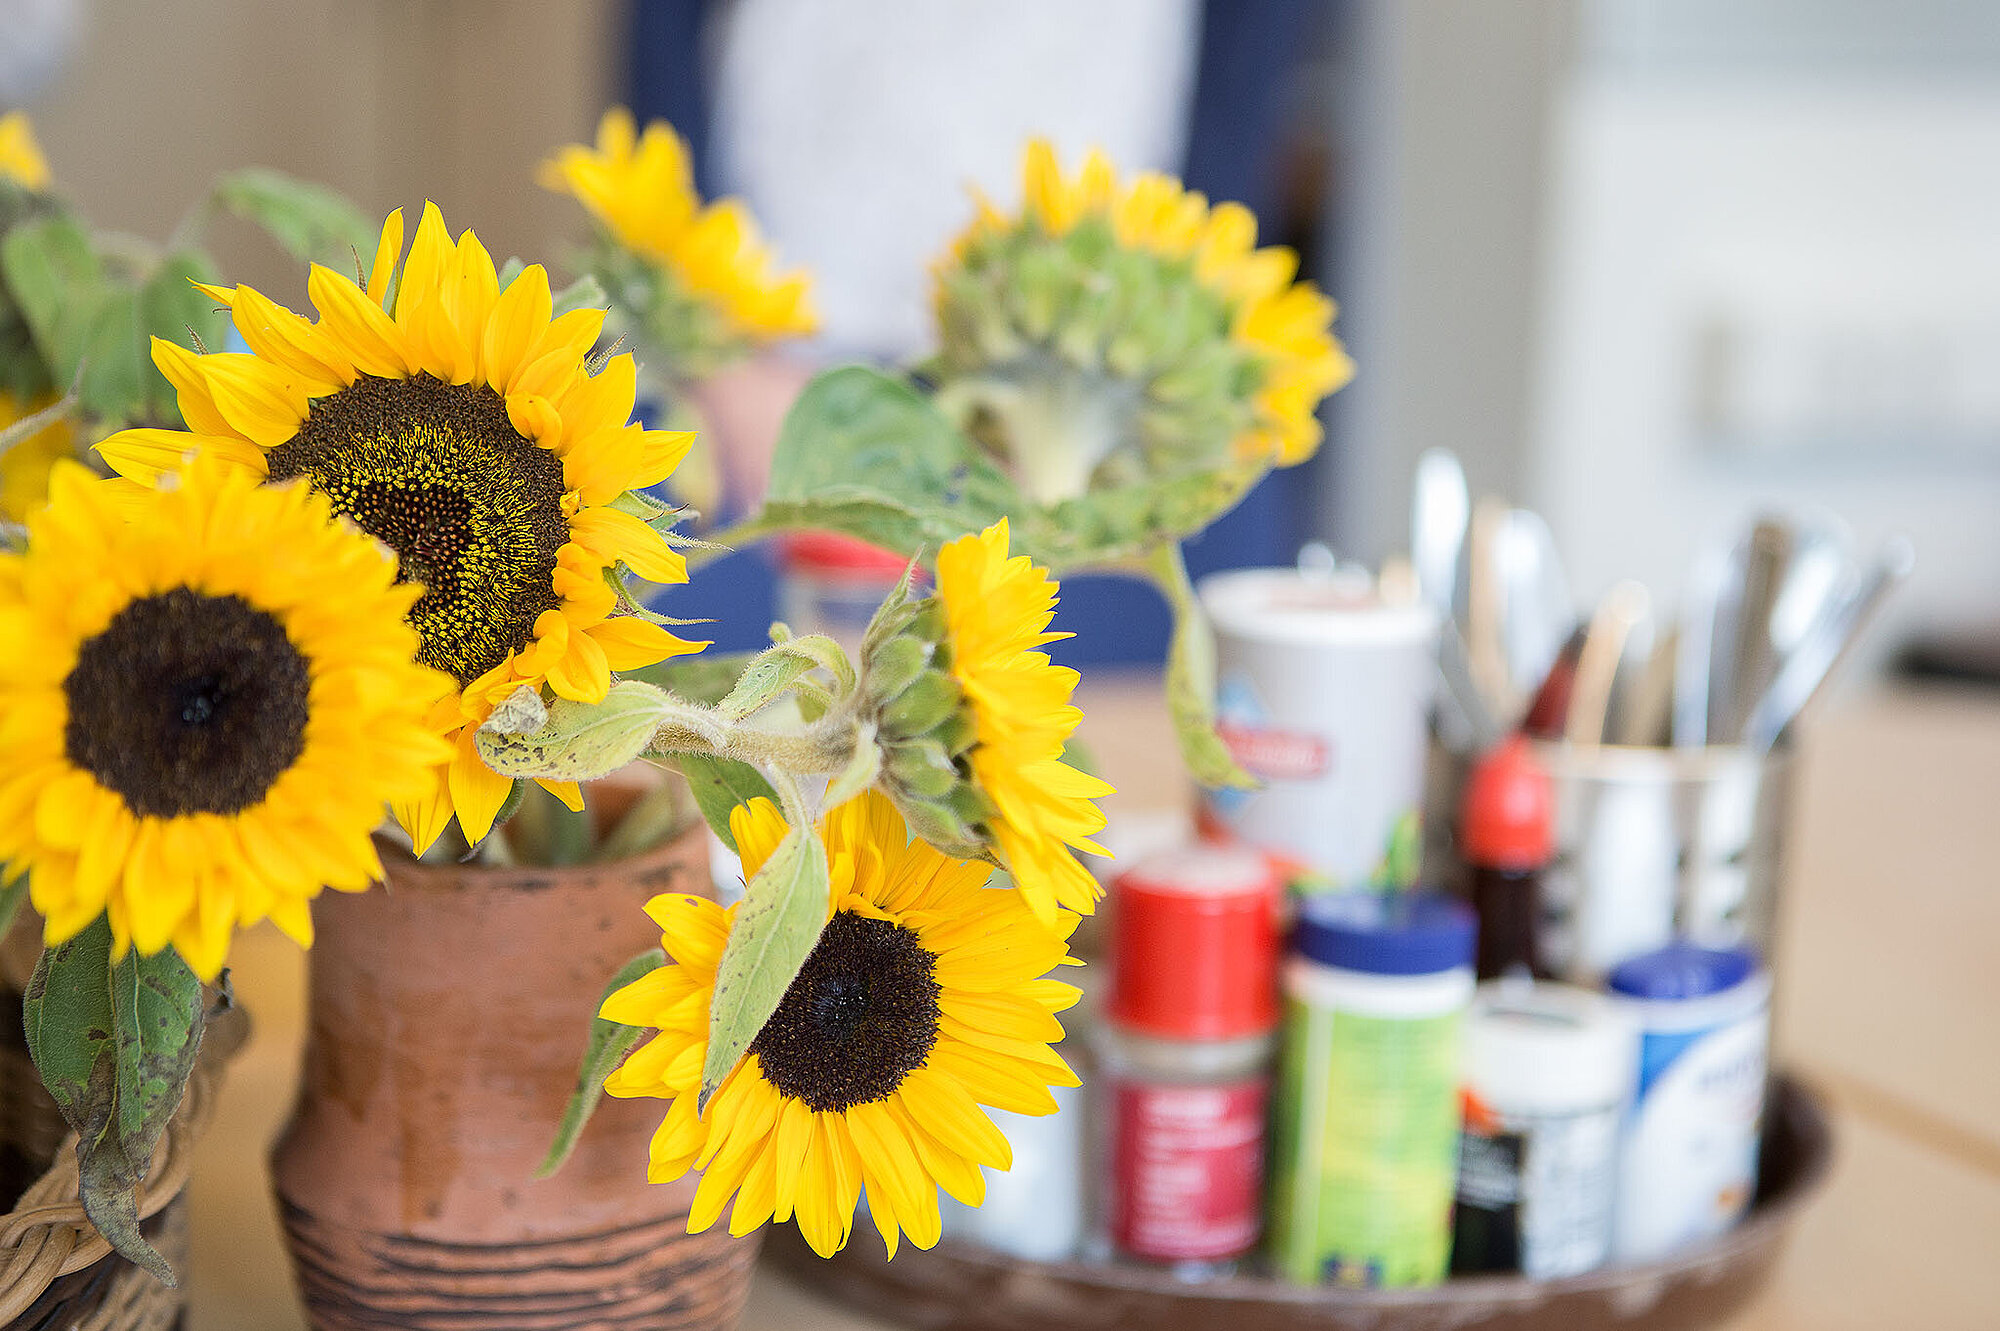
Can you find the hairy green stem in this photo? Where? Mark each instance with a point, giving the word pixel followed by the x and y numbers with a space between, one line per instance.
pixel 821 749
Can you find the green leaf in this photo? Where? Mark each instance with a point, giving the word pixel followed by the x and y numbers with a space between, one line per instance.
pixel 825 653
pixel 114 1045
pixel 861 769
pixel 58 284
pixel 779 921
pixel 580 741
pixel 12 894
pixel 719 785
pixel 308 221
pixel 115 364
pixel 609 1042
pixel 1191 677
pixel 769 674
pixel 586 293
pixel 158 1004
pixel 865 453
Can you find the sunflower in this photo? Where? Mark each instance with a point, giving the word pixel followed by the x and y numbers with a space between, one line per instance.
pixel 206 700
pixel 24 468
pixel 1148 303
pixel 21 159
pixel 997 611
pixel 715 269
pixel 462 426
pixel 920 1003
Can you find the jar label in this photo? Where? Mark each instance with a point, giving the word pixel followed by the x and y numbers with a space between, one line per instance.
pixel 1187 1169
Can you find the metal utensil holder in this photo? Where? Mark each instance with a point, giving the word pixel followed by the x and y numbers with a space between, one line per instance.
pixel 1654 844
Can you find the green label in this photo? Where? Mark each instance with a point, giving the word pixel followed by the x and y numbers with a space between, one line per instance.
pixel 1366 1140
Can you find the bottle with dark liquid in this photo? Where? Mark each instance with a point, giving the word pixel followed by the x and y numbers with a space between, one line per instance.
pixel 1507 834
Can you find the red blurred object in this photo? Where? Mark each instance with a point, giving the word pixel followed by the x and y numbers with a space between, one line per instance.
pixel 831 552
pixel 1548 714
pixel 1508 814
pixel 1195 944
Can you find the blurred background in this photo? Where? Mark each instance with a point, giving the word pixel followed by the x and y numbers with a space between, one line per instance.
pixel 1646 266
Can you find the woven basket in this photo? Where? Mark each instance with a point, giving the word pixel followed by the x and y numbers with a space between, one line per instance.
pixel 56 1272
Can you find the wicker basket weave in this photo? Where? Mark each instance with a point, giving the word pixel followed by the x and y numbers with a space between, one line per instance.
pixel 56 1271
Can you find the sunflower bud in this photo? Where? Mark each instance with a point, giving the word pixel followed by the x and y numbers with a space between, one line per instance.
pixel 1112 333
pixel 918 708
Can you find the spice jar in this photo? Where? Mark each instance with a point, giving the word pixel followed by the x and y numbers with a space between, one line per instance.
pixel 1185 1055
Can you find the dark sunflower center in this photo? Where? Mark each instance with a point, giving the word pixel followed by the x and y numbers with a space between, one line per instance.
pixel 187 703
pixel 472 508
pixel 859 1018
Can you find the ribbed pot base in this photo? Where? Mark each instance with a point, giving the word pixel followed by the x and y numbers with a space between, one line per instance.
pixel 651 1276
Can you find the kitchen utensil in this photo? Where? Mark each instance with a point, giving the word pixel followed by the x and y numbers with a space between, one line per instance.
pixel 1626 605
pixel 1826 645
pixel 1537 615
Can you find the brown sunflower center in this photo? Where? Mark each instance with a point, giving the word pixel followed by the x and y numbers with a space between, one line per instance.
pixel 187 703
pixel 859 1018
pixel 472 508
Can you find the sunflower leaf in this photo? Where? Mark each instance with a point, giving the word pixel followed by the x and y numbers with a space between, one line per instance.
pixel 609 1042
pixel 719 785
pixel 865 453
pixel 581 741
pixel 1191 676
pixel 115 366
pixel 585 293
pixel 58 284
pixel 307 221
pixel 12 894
pixel 783 911
pixel 768 675
pixel 114 1043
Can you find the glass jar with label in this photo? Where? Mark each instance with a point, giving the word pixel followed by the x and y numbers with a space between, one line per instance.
pixel 1184 1057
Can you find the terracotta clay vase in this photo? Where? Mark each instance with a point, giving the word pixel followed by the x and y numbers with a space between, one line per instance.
pixel 449 1010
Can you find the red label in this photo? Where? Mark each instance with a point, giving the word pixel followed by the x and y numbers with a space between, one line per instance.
pixel 1187 1169
pixel 1286 755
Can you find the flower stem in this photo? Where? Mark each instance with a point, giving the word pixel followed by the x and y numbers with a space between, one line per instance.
pixel 821 749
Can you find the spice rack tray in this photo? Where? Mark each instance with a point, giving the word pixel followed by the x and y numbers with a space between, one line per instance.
pixel 960 1287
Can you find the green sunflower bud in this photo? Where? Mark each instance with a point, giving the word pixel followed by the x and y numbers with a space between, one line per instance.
pixel 922 727
pixel 1084 365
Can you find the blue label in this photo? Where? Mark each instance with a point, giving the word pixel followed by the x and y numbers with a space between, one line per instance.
pixel 1657 1052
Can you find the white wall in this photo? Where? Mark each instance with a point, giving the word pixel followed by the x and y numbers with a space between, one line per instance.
pixel 1773 289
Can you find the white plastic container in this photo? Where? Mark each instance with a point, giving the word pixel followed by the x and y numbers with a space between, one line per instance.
pixel 1323 694
pixel 1034 1210
pixel 1689 1160
pixel 1549 1071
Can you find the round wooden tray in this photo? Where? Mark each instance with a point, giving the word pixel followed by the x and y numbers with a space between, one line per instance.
pixel 960 1287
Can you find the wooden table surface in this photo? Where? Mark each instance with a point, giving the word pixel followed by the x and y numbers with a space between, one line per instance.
pixel 1889 993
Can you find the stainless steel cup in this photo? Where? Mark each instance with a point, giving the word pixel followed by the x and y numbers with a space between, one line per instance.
pixel 1654 844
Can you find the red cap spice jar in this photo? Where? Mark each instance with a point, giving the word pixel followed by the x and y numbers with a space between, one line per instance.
pixel 1194 945
pixel 1186 1053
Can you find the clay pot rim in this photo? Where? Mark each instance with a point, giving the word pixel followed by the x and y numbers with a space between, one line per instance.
pixel 411 874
